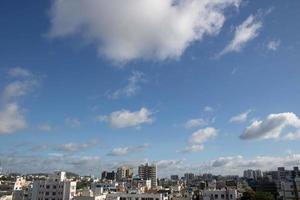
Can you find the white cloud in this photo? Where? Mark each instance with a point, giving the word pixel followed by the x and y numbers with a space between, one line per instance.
pixel 208 109
pixel 73 122
pixel 202 135
pixel 123 151
pixel 272 126
pixel 192 149
pixel 193 123
pixel 73 147
pixel 45 127
pixel 17 89
pixel 125 30
pixel 19 72
pixel 131 88
pixel 293 135
pixel 11 119
pixel 126 118
pixel 244 33
pixel 240 118
pixel 273 45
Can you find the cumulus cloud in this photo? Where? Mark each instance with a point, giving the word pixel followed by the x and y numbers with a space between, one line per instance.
pixel 272 126
pixel 123 151
pixel 244 33
pixel 125 30
pixel 11 119
pixel 293 135
pixel 12 116
pixel 131 88
pixel 273 45
pixel 202 135
pixel 240 118
pixel 126 118
pixel 192 149
pixel 193 123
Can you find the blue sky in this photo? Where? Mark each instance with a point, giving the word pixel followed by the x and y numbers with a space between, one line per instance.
pixel 201 86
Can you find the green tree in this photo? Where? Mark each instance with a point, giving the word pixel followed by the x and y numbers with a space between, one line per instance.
pixel 263 196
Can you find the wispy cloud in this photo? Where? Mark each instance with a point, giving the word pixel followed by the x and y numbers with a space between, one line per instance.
pixel 73 122
pixel 123 151
pixel 194 123
pixel 244 33
pixel 273 45
pixel 132 87
pixel 240 118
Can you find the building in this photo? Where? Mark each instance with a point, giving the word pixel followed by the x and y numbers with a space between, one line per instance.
pixel 290 189
pixel 223 194
pixel 124 172
pixel 55 187
pixel 252 174
pixel 148 172
pixel 136 196
pixel 108 175
pixel 174 177
pixel 22 189
pixel 189 177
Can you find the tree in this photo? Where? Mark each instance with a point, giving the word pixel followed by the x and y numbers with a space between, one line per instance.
pixel 264 196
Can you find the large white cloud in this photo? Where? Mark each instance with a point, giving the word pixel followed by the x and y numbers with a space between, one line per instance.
pixel 272 126
pixel 125 118
pixel 124 30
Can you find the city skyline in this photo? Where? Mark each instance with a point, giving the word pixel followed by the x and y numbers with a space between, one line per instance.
pixel 192 86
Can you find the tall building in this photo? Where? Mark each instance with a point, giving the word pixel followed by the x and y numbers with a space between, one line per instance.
pixel 56 187
pixel 252 174
pixel 108 175
pixel 148 172
pixel 124 172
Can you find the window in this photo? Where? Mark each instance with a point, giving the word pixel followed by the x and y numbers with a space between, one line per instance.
pixel 222 196
pixel 216 196
pixel 54 186
pixel 47 193
pixel 47 186
pixel 231 196
pixel 53 193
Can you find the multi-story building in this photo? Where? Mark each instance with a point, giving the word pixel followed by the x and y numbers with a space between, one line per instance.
pixel 290 189
pixel 22 189
pixel 124 172
pixel 136 196
pixel 189 177
pixel 223 194
pixel 174 177
pixel 56 187
pixel 252 174
pixel 148 172
pixel 108 175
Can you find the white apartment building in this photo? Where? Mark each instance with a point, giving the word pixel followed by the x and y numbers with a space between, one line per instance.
pixel 124 172
pixel 22 189
pixel 136 196
pixel 56 187
pixel 290 190
pixel 223 194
